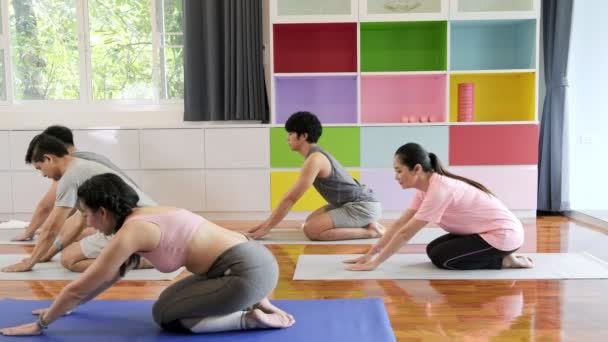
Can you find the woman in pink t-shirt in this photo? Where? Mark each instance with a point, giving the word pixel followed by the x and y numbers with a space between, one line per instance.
pixel 482 232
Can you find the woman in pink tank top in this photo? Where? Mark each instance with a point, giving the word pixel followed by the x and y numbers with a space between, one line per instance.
pixel 231 280
pixel 482 232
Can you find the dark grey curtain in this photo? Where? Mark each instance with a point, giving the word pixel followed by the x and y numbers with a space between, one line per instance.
pixel 223 61
pixel 557 22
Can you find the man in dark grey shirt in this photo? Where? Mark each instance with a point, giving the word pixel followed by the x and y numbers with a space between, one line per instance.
pixel 353 210
pixel 50 155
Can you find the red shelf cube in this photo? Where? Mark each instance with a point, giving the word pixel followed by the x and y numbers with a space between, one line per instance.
pixel 300 48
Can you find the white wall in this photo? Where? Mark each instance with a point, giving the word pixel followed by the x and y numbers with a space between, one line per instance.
pixel 588 105
pixel 74 115
pixel 178 167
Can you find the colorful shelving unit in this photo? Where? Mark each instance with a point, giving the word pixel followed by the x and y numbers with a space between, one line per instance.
pixel 380 73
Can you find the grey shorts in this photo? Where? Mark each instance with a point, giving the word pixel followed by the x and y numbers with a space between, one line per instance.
pixel 92 245
pixel 354 214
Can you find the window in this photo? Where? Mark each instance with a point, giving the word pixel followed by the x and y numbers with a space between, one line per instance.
pixel 2 77
pixel 2 56
pixel 171 50
pixel 91 50
pixel 44 49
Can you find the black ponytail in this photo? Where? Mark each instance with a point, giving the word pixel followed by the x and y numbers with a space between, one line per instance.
pixel 411 154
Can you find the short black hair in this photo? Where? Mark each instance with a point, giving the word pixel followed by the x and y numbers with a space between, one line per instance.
pixel 60 132
pixel 305 122
pixel 44 144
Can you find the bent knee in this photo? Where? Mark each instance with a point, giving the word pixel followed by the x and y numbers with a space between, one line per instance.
pixel 311 232
pixel 72 255
pixel 162 319
pixel 157 313
pixel 437 260
pixel 429 250
pixel 68 262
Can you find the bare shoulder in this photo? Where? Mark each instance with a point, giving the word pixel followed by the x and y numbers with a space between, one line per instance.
pixel 316 158
pixel 318 164
pixel 143 235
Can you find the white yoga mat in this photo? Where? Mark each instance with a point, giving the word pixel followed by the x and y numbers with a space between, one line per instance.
pixel 13 224
pixel 418 266
pixel 294 236
pixel 7 234
pixel 54 271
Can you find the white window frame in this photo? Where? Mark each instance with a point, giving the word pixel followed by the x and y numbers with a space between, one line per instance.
pixel 159 41
pixel 4 44
pixel 86 102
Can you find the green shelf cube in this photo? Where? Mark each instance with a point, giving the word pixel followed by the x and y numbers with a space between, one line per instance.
pixel 404 46
pixel 341 142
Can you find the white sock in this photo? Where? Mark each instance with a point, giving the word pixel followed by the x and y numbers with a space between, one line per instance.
pixel 233 321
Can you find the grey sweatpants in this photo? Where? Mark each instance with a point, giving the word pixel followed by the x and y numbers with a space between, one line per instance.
pixel 238 279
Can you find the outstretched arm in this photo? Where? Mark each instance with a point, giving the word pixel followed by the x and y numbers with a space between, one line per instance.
pixel 72 227
pixel 396 242
pixel 102 274
pixel 385 239
pixel 41 213
pixel 308 174
pixel 51 227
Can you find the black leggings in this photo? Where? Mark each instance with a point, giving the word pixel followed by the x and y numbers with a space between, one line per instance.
pixel 465 252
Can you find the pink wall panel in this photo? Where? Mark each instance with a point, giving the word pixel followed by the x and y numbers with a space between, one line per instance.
pixel 494 145
pixel 515 186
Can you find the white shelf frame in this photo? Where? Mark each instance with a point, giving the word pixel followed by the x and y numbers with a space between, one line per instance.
pixel 534 13
pixel 275 18
pixel 442 15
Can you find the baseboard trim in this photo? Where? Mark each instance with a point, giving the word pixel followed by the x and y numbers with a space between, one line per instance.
pixel 587 219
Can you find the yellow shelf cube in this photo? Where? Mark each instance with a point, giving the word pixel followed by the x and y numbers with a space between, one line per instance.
pixel 281 182
pixel 508 96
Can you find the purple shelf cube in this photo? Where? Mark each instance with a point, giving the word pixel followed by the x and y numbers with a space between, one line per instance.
pixel 332 98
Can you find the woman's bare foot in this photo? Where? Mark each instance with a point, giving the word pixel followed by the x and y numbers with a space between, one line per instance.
pixel 376 230
pixel 517 261
pixel 266 306
pixel 258 319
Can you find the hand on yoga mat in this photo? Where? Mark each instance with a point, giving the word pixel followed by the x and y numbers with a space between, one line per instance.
pixel 360 260
pixel 22 330
pixel 368 266
pixel 22 266
pixel 23 237
pixel 257 232
pixel 40 311
pixel 43 311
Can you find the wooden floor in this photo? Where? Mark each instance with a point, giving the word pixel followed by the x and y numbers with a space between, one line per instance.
pixel 421 310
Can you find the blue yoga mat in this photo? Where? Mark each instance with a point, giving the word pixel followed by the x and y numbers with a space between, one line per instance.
pixel 353 320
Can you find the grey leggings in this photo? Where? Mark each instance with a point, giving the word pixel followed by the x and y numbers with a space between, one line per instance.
pixel 239 278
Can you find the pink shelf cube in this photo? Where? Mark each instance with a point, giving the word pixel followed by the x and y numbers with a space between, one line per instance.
pixel 403 98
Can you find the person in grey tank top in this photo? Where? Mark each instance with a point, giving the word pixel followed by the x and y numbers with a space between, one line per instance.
pixel 47 202
pixel 352 211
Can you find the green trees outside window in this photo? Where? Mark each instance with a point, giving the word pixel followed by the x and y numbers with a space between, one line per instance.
pixel 95 49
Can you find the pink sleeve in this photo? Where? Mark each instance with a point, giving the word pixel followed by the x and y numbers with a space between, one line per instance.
pixel 417 200
pixel 434 205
